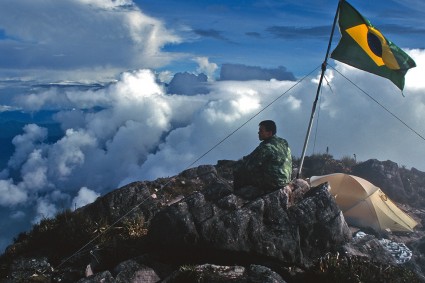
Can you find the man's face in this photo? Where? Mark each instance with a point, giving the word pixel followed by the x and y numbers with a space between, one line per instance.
pixel 263 134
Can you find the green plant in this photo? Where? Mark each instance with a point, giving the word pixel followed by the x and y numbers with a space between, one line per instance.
pixel 135 227
pixel 334 267
pixel 348 161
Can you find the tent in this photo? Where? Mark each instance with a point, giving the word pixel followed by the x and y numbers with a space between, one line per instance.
pixel 365 205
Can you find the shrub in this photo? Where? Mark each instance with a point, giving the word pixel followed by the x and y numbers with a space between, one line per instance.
pixel 337 268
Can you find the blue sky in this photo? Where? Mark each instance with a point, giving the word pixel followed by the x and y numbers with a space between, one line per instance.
pixel 262 33
pixel 296 32
pixel 84 96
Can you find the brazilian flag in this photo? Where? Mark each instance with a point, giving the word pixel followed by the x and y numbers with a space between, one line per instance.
pixel 364 47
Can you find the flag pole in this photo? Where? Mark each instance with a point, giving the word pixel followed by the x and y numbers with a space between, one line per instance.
pixel 324 64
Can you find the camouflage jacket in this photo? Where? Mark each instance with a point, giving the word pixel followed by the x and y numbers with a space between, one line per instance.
pixel 270 164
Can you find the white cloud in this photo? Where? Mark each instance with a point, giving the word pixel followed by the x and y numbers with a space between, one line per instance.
pixel 414 79
pixel 293 102
pixel 417 5
pixel 44 209
pixel 107 4
pixel 165 76
pixel 84 197
pixel 142 133
pixel 11 194
pixel 69 152
pixel 206 67
pixel 120 37
pixel 34 171
pixel 25 143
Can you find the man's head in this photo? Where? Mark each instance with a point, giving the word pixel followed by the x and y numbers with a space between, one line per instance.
pixel 266 130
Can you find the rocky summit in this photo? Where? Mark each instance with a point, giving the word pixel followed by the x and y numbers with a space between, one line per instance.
pixel 194 227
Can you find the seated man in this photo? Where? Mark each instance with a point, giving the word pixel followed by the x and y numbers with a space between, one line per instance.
pixel 269 166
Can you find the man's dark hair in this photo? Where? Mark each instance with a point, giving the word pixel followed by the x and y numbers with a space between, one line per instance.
pixel 269 125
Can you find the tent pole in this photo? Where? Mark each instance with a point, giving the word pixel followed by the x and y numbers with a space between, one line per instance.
pixel 324 64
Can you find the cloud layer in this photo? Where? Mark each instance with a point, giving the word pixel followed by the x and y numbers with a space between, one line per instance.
pixel 140 130
pixel 133 129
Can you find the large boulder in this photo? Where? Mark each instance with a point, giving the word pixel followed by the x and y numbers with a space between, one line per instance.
pixel 385 175
pixel 217 224
pixel 117 204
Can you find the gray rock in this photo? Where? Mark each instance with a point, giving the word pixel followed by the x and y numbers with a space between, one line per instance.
pixel 261 228
pixel 114 205
pixel 383 174
pixel 38 269
pixel 104 277
pixel 215 273
pixel 132 271
pixel 370 247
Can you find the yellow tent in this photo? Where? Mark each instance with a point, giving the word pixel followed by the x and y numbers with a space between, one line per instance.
pixel 365 205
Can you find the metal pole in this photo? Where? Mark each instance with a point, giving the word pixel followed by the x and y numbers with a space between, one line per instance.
pixel 324 64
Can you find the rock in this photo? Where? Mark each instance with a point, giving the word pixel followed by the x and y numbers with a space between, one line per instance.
pixel 261 228
pixel 132 271
pixel 215 273
pixel 385 175
pixel 296 190
pixel 418 259
pixel 104 277
pixel 116 204
pixel 38 269
pixel 368 246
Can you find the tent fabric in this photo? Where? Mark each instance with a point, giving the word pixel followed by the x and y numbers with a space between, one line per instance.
pixel 365 205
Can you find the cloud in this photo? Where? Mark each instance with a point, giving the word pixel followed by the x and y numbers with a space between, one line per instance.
pixel 120 37
pixel 205 66
pixel 34 171
pixel 192 84
pixel 413 5
pixel 84 197
pixel 24 144
pixel 241 72
pixel 11 194
pixel 44 209
pixel 136 114
pixel 140 132
pixel 108 4
pixel 189 84
pixel 414 79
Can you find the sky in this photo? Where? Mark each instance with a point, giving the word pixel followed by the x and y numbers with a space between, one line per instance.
pixel 95 94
